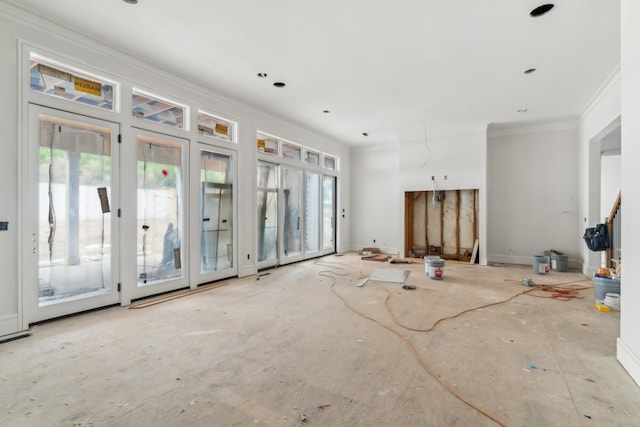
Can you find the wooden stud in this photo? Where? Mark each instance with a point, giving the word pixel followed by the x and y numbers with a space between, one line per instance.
pixel 408 221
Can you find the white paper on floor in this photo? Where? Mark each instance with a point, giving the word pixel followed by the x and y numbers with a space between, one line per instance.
pixel 389 275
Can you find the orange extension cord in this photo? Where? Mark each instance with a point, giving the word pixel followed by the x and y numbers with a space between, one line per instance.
pixel 559 291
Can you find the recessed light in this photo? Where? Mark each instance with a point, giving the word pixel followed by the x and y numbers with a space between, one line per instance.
pixel 131 1
pixel 326 111
pixel 522 110
pixel 541 10
pixel 529 71
pixel 365 134
pixel 262 75
pixel 279 84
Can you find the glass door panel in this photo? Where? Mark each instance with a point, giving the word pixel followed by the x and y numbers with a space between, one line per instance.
pixel 216 203
pixel 71 179
pixel 267 214
pixel 292 194
pixel 160 215
pixel 328 213
pixel 312 212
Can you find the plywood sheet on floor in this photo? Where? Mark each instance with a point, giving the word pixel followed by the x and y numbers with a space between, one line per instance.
pixel 389 275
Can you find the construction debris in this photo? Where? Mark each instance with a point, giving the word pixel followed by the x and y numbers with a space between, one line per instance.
pixel 369 251
pixel 377 257
pixel 362 282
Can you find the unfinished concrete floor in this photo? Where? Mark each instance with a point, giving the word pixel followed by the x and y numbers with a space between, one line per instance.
pixel 285 350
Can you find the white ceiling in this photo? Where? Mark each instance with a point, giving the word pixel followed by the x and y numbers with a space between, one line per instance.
pixel 379 66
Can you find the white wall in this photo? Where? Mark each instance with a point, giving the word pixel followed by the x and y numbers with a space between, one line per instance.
pixel 600 117
pixel 18 27
pixel 381 175
pixel 9 261
pixel 533 192
pixel 629 341
pixel 375 200
pixel 609 182
pixel 462 159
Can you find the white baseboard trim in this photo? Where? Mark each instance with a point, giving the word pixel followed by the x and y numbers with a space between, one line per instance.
pixel 629 360
pixel 573 264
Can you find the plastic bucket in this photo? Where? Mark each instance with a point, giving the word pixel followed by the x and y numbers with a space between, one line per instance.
pixel 436 268
pixel 560 262
pixel 541 264
pixel 612 300
pixel 428 259
pixel 604 285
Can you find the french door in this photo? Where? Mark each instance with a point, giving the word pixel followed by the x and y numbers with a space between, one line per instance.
pixel 268 184
pixel 329 213
pixel 213 207
pixel 292 192
pixel 161 234
pixel 296 214
pixel 70 189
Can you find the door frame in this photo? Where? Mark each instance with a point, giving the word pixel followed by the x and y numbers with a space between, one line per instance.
pixel 130 288
pixel 33 311
pixel 194 216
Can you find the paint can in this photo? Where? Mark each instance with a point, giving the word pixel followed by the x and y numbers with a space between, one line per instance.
pixel 428 259
pixel 541 264
pixel 559 262
pixel 436 268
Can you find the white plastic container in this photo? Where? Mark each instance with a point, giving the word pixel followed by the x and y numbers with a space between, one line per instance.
pixel 436 268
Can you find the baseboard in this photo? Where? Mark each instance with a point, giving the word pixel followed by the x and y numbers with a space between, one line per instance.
pixel 573 264
pixel 509 259
pixel 629 360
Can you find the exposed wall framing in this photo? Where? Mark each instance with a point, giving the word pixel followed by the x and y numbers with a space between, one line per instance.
pixel 443 223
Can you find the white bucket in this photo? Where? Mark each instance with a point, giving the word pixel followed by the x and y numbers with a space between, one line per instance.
pixel 428 259
pixel 612 300
pixel 436 268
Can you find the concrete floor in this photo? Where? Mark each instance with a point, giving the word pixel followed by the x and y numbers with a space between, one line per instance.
pixel 286 350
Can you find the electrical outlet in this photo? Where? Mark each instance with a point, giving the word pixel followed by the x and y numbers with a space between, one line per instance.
pixel 4 225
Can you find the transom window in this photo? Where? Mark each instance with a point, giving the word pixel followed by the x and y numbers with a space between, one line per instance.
pixel 49 77
pixel 289 150
pixel 210 125
pixel 155 109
